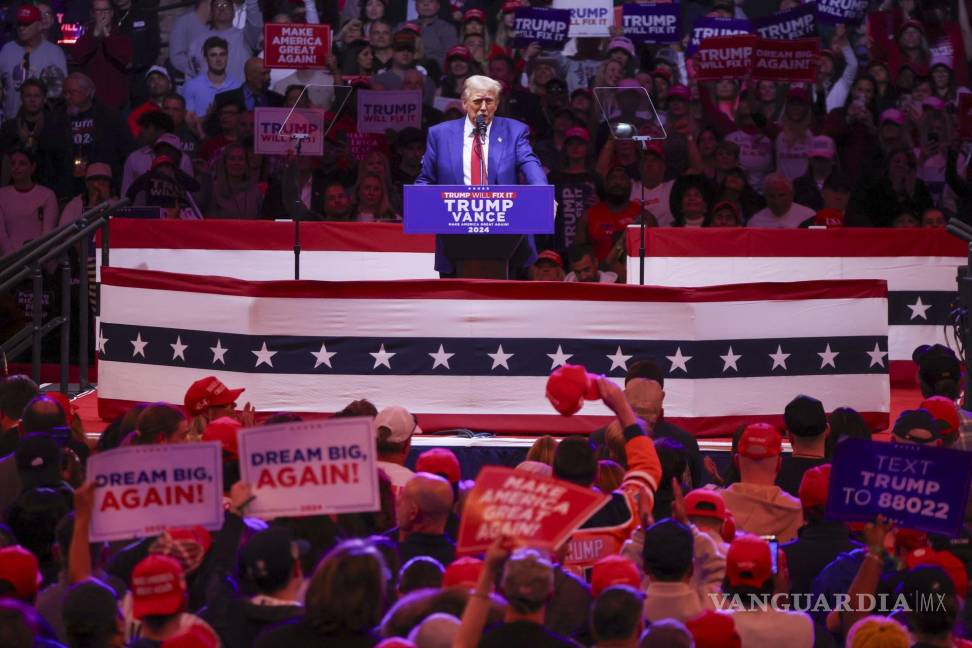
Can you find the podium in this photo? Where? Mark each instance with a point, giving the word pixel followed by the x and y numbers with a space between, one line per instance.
pixel 483 230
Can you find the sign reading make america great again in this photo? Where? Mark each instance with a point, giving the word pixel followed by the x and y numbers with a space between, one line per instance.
pixel 462 209
pixel 296 45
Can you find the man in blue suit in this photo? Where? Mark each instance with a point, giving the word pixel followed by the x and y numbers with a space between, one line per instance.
pixel 453 156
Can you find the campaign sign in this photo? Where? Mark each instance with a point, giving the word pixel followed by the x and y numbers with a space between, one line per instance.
pixel 651 23
pixel 712 27
pixel 592 18
pixel 849 12
pixel 462 209
pixel 724 57
pixel 143 490
pixel 294 45
pixel 274 132
pixel 794 61
pixel 915 486
pixel 965 115
pixel 548 27
pixel 382 110
pixel 799 22
pixel 540 511
pixel 311 467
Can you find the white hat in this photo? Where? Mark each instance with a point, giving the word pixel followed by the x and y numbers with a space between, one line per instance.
pixel 400 422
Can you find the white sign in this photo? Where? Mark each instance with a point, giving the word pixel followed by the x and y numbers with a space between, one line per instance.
pixel 588 17
pixel 382 110
pixel 311 467
pixel 143 490
pixel 274 133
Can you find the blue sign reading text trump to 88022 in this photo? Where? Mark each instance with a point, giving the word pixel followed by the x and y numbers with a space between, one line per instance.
pixel 462 209
pixel 915 486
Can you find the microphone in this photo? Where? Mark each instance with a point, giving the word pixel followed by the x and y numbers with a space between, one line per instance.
pixel 481 127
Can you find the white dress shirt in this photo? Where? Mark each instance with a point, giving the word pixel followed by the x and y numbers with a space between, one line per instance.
pixel 467 144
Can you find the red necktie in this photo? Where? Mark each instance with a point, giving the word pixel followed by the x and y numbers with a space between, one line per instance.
pixel 475 163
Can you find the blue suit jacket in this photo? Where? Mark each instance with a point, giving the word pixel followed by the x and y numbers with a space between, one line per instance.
pixel 510 155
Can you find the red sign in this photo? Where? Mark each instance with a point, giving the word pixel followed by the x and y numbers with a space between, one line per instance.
pixel 794 61
pixel 965 116
pixel 295 45
pixel 540 511
pixel 725 57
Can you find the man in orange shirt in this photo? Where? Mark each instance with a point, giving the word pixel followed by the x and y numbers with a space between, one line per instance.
pixel 613 214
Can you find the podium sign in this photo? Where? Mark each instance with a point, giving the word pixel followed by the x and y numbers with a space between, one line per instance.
pixel 462 209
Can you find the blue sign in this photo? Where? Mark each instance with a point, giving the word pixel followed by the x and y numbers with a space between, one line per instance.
pixel 849 12
pixel 799 22
pixel 915 486
pixel 651 23
pixel 462 209
pixel 549 27
pixel 712 27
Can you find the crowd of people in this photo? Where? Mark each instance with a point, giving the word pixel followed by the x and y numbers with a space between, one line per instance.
pixel 161 110
pixel 682 552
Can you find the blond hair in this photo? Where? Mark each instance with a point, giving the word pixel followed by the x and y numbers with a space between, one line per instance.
pixel 877 632
pixel 481 83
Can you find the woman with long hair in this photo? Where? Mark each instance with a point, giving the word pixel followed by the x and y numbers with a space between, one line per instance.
pixel 505 20
pixel 691 201
pixel 735 187
pixel 358 58
pixel 458 68
pixel 372 10
pixel 371 202
pixel 793 143
pixel 609 73
pixel 160 423
pixel 943 81
pixel 236 192
pixel 346 598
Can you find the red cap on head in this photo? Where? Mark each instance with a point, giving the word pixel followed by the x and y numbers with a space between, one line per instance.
pixel 224 431
pixel 749 561
pixel 158 587
pixel 440 461
pixel 578 133
pixel 760 441
pixel 951 565
pixel 662 72
pixel 511 5
pixel 462 571
pixel 614 570
pixel 798 93
pixel 704 502
pixel 910 539
pixel 550 255
pixel 678 91
pixel 195 534
pixel 712 629
pixel 207 392
pixel 568 386
pixel 474 14
pixel 20 568
pixel 460 52
pixel 814 487
pixel 28 14
pixel 944 410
